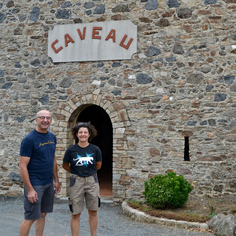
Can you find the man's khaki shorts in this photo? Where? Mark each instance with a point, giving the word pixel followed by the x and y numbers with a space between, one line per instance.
pixel 83 188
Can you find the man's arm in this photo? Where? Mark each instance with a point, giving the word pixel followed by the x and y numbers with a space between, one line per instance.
pixel 32 194
pixel 55 177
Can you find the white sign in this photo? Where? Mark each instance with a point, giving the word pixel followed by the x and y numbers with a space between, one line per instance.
pixel 109 40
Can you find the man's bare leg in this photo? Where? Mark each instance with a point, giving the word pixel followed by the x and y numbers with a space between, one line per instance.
pixel 25 227
pixel 39 225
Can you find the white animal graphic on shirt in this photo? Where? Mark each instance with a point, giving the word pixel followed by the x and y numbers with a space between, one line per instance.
pixel 83 161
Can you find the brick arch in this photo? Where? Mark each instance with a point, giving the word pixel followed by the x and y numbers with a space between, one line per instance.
pixel 65 117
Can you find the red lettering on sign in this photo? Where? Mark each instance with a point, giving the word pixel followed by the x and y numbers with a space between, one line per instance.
pixel 80 35
pixel 128 44
pixel 68 39
pixel 95 32
pixel 112 35
pixel 53 46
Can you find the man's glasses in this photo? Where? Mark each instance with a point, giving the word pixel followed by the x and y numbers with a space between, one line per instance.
pixel 44 117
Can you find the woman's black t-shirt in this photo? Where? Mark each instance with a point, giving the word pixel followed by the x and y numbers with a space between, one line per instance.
pixel 83 160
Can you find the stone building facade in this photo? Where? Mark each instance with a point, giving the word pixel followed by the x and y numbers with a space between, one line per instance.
pixel 177 92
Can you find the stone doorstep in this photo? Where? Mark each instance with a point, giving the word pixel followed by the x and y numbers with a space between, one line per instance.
pixel 142 217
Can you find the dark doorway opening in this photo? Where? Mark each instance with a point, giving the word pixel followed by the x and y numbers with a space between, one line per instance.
pixel 104 140
pixel 186 148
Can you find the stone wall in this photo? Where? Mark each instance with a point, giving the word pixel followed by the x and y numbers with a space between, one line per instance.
pixel 181 82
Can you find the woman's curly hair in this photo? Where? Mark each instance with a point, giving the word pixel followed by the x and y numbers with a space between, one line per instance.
pixel 91 129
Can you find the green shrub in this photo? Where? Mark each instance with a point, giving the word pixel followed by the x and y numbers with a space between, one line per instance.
pixel 169 191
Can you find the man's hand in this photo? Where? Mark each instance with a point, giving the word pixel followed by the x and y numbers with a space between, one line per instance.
pixel 57 187
pixel 32 196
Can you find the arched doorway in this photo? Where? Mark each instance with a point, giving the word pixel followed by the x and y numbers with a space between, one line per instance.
pixel 104 140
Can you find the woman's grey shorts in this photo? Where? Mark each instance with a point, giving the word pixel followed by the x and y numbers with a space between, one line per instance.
pixel 43 205
pixel 83 188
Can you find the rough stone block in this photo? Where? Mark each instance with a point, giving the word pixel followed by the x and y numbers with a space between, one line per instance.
pixel 100 9
pixel 35 14
pixel 151 5
pixel 62 14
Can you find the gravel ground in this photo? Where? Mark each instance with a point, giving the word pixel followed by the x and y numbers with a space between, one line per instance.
pixel 111 221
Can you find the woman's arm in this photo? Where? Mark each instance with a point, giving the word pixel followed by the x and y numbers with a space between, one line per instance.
pixel 98 165
pixel 66 166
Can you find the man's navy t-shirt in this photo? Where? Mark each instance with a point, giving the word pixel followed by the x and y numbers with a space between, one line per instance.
pixel 40 148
